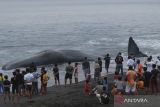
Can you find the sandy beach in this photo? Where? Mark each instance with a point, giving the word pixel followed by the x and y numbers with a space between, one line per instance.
pixel 62 96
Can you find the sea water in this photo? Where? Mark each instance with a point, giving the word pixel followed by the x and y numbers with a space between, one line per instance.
pixel 95 27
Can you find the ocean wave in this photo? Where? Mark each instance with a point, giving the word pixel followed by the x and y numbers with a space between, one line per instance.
pixel 93 42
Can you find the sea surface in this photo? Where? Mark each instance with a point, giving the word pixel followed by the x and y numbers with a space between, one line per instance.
pixel 94 27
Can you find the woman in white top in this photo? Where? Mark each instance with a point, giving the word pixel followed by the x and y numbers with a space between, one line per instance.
pixel 148 74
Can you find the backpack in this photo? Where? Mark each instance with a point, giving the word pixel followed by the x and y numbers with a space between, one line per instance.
pixel 105 98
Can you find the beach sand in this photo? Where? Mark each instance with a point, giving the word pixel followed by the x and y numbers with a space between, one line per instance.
pixel 62 96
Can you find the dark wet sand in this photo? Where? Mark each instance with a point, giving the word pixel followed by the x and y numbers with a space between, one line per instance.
pixel 62 96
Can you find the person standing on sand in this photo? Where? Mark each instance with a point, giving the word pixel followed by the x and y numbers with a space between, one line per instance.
pixel 28 78
pixel 130 62
pixel 87 87
pixel 119 63
pixel 154 83
pixel 15 91
pixel 69 73
pixel 100 63
pixel 35 82
pixel 97 72
pixel 107 62
pixel 44 80
pixel 23 87
pixel 131 83
pixel 56 74
pixel 20 80
pixel 149 64
pixel 139 69
pixel 6 85
pixel 86 67
pixel 1 83
pixel 76 73
pixel 105 83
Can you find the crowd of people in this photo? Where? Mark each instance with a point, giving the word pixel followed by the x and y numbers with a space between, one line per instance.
pixel 138 76
pixel 23 83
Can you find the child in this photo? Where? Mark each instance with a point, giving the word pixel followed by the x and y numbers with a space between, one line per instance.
pixel 44 80
pixel 76 73
pixel 116 76
pixel 6 85
pixel 140 83
pixel 105 83
pixel 87 87
pixel 114 90
pixel 120 85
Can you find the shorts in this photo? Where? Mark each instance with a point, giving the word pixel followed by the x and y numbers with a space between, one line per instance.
pixel 20 87
pixel 15 90
pixel 76 75
pixel 56 76
pixel 29 87
pixel 68 76
pixel 6 90
pixel 130 88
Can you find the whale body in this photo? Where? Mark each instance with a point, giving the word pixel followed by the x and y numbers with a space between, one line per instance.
pixel 48 57
pixel 133 49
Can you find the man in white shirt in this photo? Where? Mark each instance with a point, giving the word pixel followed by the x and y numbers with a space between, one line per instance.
pixel 130 62
pixel 28 78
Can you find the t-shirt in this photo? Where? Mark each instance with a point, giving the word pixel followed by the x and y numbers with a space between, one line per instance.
pixel 69 69
pixel 107 60
pixel 28 78
pixel 120 85
pixel 119 60
pixel 86 65
pixel 97 67
pixel 139 71
pixel 20 78
pixel 14 81
pixel 6 84
pixel 149 66
pixel 55 70
pixel 76 72
pixel 131 76
pixel 36 76
pixel 130 62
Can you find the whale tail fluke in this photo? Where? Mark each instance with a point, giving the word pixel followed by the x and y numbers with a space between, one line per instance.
pixel 133 49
